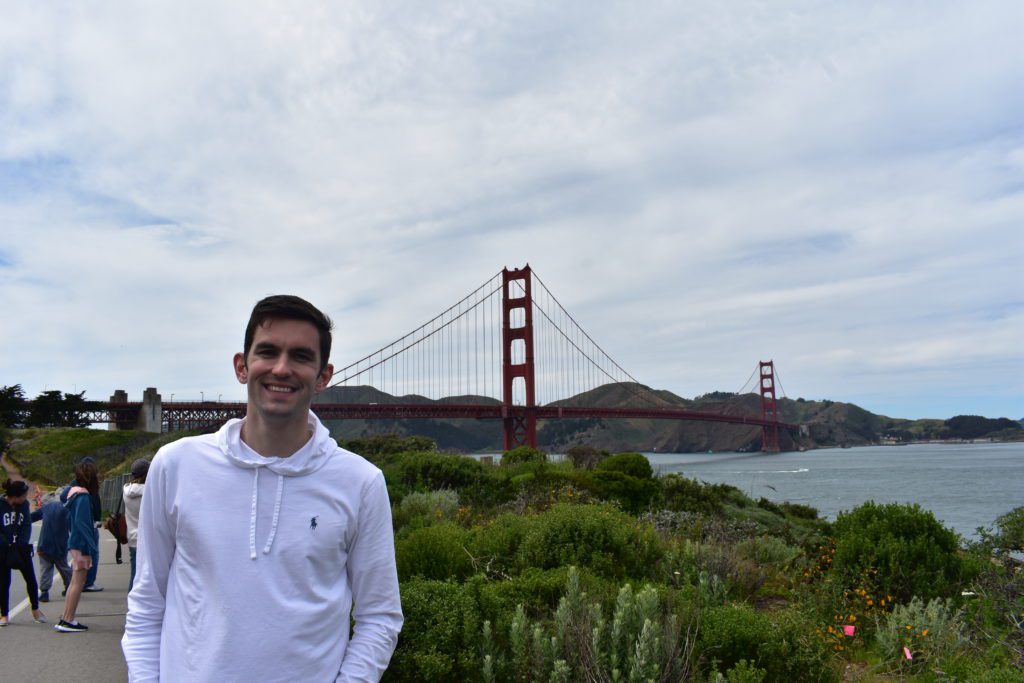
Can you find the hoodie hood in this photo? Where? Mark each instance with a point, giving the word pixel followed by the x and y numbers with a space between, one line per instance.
pixel 75 490
pixel 308 459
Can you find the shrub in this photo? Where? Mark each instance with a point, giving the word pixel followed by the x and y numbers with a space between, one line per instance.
pixel 783 643
pixel 641 641
pixel 440 637
pixel 434 552
pixel 599 537
pixel 1010 531
pixel 904 550
pixel 769 550
pixel 632 493
pixel 523 454
pixel 928 631
pixel 430 471
pixel 633 464
pixel 537 590
pixel 690 495
pixel 799 510
pixel 585 457
pixel 372 447
pixel 420 509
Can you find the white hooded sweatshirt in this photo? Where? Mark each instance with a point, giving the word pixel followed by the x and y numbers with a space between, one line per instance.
pixel 248 567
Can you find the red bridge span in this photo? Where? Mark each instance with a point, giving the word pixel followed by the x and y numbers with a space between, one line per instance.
pixel 508 351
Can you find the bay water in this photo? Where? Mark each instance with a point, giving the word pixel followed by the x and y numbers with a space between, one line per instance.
pixel 966 485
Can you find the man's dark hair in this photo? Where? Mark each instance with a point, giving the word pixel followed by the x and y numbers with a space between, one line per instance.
pixel 289 307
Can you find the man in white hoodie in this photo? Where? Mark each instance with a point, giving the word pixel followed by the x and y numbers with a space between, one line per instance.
pixel 257 544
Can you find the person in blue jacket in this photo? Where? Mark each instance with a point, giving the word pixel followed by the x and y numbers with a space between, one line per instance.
pixel 97 517
pixel 16 548
pixel 52 547
pixel 82 542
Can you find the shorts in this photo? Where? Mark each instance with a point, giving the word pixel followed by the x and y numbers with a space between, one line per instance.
pixel 80 560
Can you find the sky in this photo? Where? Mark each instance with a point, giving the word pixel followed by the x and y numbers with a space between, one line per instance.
pixel 838 187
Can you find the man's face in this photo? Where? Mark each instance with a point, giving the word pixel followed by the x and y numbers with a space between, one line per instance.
pixel 282 370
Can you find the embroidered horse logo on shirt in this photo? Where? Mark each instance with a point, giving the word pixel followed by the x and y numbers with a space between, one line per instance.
pixel 312 522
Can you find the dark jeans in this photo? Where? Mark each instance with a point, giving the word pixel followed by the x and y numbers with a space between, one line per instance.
pixel 131 581
pixel 28 572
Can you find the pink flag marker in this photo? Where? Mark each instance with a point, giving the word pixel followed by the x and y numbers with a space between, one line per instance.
pixel 849 630
pixel 906 653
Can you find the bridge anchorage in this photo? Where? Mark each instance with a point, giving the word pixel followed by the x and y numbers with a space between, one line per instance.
pixel 508 351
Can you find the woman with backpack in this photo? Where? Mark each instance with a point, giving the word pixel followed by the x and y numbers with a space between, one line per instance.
pixel 16 548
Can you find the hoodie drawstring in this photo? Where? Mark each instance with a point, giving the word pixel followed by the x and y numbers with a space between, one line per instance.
pixel 252 514
pixel 277 511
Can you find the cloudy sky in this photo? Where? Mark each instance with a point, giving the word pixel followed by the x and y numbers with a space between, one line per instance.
pixel 835 186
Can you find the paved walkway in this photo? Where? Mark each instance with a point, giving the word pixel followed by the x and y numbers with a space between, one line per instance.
pixel 35 653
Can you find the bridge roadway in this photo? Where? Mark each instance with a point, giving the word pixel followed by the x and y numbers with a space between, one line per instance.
pixel 210 412
pixel 35 653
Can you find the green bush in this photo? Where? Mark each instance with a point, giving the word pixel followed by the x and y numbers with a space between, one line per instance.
pixel 633 464
pixel 537 590
pixel 633 494
pixel 901 549
pixel 440 637
pixel 373 447
pixel 599 537
pixel 784 644
pixel 419 509
pixel 1010 531
pixel 424 471
pixel 799 510
pixel 642 641
pixel 523 454
pixel 929 631
pixel 434 552
pixel 689 495
pixel 585 457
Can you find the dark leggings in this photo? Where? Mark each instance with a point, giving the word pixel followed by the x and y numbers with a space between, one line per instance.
pixel 28 572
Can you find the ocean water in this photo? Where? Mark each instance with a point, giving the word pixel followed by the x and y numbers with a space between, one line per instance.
pixel 965 485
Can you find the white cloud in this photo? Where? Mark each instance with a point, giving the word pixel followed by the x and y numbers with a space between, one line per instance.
pixel 702 185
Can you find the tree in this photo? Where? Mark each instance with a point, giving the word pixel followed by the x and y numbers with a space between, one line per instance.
pixel 57 409
pixel 12 406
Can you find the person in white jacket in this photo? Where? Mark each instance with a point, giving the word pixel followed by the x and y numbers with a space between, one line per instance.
pixel 265 551
pixel 132 495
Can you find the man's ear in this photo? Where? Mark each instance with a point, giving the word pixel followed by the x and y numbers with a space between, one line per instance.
pixel 241 371
pixel 324 378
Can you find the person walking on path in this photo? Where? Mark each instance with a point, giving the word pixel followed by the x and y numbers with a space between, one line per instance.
pixel 82 542
pixel 132 494
pixel 52 547
pixel 265 551
pixel 16 548
pixel 96 507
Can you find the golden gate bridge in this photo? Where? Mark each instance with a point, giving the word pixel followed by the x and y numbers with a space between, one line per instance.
pixel 507 351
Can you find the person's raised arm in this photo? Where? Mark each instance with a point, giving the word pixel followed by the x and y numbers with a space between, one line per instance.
pixel 147 600
pixel 377 611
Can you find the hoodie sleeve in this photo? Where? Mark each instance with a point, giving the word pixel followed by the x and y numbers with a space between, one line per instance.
pixel 371 570
pixel 25 528
pixel 81 536
pixel 148 597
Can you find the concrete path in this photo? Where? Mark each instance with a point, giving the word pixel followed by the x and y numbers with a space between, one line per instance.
pixel 35 653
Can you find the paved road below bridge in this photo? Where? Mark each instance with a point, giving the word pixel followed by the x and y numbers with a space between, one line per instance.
pixel 35 653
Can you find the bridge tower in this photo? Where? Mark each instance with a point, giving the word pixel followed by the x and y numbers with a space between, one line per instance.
pixel 769 434
pixel 520 422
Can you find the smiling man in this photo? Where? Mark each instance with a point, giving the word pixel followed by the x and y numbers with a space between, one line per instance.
pixel 260 544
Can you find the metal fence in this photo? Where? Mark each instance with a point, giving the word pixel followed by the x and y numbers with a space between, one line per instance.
pixel 110 492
